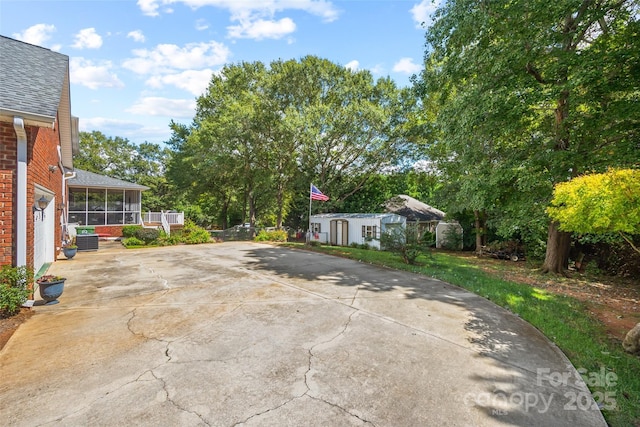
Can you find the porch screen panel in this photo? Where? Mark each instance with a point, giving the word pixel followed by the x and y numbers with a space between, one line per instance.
pixel 96 203
pixel 78 205
pixel 132 207
pixel 115 207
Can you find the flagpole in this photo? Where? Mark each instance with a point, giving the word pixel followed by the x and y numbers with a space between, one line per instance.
pixel 309 229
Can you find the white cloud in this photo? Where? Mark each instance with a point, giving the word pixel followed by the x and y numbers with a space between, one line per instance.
pixel 166 107
pixel 422 12
pixel 149 7
pixel 37 34
pixel 262 29
pixel 87 38
pixel 166 58
pixel 352 65
pixel 137 36
pixel 253 18
pixel 93 75
pixel 406 66
pixel 193 81
pixel 322 8
pixel 100 123
pixel 377 69
pixel 132 130
pixel 202 25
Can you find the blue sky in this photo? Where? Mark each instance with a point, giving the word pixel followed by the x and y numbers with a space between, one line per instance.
pixel 137 65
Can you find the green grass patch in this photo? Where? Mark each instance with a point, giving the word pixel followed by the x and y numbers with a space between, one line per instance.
pixel 564 320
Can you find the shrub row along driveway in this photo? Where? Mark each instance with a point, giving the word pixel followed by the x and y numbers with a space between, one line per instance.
pixel 252 334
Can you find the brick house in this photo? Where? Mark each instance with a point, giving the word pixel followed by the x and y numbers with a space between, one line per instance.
pixel 38 137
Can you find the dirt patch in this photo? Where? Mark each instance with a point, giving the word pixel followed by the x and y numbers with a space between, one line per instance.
pixel 9 325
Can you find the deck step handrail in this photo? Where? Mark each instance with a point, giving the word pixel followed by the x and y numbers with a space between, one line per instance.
pixel 165 223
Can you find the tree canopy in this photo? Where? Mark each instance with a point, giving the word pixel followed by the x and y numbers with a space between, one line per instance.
pixel 119 158
pixel 527 94
pixel 262 134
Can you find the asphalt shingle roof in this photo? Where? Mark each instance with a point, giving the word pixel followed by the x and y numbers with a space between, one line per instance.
pixel 94 180
pixel 31 77
pixel 412 209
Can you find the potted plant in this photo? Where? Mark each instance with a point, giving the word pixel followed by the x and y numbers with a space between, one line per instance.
pixel 51 288
pixel 69 248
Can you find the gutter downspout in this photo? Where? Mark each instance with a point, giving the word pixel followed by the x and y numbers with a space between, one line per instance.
pixel 21 192
pixel 65 176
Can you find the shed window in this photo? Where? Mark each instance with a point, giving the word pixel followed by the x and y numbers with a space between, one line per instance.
pixel 370 231
pixel 315 227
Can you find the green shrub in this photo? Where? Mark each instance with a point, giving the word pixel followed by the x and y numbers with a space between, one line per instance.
pixel 193 234
pixel 271 236
pixel 14 289
pixel 132 241
pixel 406 242
pixel 147 235
pixel 196 237
pixel 168 240
pixel 130 230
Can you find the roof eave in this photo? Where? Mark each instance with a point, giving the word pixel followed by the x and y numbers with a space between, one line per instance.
pixel 29 119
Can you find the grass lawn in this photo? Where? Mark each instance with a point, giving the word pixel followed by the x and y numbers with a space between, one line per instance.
pixel 564 320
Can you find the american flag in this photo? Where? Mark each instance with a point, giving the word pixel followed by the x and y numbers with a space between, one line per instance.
pixel 317 194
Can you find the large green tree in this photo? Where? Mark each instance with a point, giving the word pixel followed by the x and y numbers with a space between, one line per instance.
pixel 528 94
pixel 262 134
pixel 117 157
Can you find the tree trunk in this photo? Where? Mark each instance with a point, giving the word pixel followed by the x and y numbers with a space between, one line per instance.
pixel 280 201
pixel 480 226
pixel 556 259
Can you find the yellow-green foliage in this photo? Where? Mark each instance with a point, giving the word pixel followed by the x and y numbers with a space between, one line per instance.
pixel 271 236
pixel 599 203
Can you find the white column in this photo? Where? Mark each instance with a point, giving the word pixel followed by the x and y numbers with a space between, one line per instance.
pixel 21 192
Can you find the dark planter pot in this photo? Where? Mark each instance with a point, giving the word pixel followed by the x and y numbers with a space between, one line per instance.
pixel 50 291
pixel 69 252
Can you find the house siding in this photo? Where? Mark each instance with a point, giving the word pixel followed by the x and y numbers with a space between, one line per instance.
pixel 355 224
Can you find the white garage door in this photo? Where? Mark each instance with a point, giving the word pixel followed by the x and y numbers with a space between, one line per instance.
pixel 44 234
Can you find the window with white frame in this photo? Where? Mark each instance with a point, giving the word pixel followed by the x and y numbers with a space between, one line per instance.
pixel 315 227
pixel 369 232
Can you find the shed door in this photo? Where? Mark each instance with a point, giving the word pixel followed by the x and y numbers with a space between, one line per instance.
pixel 339 232
pixel 43 235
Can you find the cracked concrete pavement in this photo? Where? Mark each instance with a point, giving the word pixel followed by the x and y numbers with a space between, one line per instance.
pixel 249 334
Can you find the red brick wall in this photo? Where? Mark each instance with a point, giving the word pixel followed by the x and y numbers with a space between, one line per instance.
pixel 8 166
pixel 110 230
pixel 42 151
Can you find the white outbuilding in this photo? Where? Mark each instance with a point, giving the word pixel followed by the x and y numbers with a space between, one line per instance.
pixel 344 229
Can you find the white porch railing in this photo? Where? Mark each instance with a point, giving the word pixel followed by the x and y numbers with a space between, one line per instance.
pixel 167 219
pixel 173 218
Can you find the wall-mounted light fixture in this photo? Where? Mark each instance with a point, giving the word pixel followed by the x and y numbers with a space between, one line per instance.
pixel 40 205
pixel 53 168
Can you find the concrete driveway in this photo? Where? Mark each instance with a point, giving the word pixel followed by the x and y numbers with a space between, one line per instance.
pixel 255 335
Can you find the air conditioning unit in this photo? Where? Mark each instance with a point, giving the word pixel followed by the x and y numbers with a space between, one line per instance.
pixel 87 242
